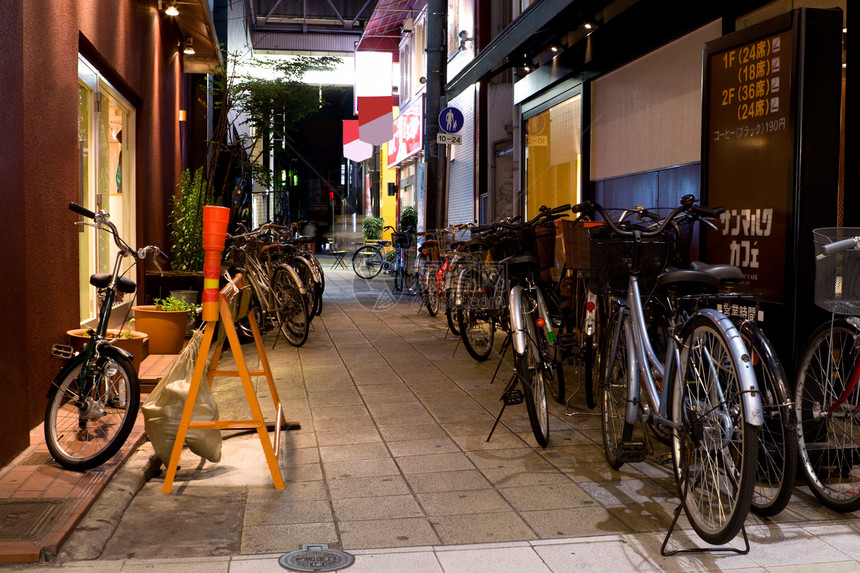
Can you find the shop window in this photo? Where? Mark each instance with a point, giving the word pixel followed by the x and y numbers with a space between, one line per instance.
pixel 552 156
pixel 106 155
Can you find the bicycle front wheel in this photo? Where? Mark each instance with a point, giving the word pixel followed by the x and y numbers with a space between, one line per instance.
pixel 531 372
pixel 614 387
pixel 85 428
pixel 367 261
pixel 475 324
pixel 290 307
pixel 713 447
pixel 827 399
pixel 777 445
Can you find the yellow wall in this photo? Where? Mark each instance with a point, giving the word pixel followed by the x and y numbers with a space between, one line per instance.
pixel 387 205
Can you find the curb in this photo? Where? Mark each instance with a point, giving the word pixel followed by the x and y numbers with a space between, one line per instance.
pixel 87 541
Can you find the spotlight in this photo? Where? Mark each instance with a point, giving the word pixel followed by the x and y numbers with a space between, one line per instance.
pixel 189 46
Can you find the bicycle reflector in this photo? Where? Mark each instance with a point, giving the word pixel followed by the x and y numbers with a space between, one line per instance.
pixel 540 322
pixel 589 306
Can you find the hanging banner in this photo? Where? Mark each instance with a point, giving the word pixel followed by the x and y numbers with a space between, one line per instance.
pixel 375 120
pixel 353 148
pixel 408 134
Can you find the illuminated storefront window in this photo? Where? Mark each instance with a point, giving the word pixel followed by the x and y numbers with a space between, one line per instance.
pixel 552 156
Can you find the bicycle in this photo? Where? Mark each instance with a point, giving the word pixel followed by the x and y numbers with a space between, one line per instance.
pixel 279 297
pixel 827 395
pixel 94 400
pixel 369 260
pixel 438 263
pixel 707 398
pixel 525 313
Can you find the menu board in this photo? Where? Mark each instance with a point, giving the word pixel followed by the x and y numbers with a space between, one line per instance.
pixel 749 157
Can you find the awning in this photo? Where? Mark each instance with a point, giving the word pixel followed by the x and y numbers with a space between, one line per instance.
pixel 195 21
pixel 529 22
pixel 382 32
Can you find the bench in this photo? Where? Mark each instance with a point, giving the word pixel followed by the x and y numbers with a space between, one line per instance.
pixel 153 368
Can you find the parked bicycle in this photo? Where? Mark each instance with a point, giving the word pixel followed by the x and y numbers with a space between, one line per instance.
pixel 827 394
pixel 704 392
pixel 388 256
pixel 94 400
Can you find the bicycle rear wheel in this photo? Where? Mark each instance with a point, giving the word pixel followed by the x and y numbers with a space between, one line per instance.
pixel 556 386
pixel 614 389
pixel 713 447
pixel 290 307
pixel 828 429
pixel 367 261
pixel 777 446
pixel 85 429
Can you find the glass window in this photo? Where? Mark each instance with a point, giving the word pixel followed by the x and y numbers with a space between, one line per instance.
pixel 552 156
pixel 105 137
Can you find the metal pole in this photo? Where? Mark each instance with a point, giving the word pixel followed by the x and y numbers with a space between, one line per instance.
pixel 437 18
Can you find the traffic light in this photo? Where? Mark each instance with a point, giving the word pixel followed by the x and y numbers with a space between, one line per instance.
pixel 331 195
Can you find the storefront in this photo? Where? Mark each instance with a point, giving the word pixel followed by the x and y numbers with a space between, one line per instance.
pixel 93 92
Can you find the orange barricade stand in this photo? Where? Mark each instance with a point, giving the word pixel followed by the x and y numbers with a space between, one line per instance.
pixel 230 294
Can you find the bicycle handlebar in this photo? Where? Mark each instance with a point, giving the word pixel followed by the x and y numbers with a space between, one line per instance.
pixel 838 246
pixel 102 220
pixel 687 206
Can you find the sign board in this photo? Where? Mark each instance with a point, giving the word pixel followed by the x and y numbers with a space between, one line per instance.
pixel 770 157
pixel 408 134
pixel 449 139
pixel 451 120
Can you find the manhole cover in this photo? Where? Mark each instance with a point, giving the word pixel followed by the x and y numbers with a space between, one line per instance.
pixel 316 558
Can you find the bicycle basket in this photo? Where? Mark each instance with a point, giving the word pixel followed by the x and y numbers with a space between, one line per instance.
pixel 837 277
pixel 577 244
pixel 543 244
pixel 612 256
pixel 402 240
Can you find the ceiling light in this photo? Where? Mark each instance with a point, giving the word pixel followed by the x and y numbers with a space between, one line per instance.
pixel 588 26
pixel 171 9
pixel 554 49
pixel 189 46
pixel 526 69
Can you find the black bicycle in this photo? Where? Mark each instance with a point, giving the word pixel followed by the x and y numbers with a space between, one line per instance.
pixel 94 400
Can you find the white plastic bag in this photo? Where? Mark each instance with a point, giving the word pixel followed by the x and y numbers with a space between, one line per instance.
pixel 162 410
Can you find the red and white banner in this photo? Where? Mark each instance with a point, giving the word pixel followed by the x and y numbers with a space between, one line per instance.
pixel 353 147
pixel 375 120
pixel 408 134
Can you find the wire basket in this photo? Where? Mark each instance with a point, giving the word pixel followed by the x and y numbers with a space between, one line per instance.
pixel 402 240
pixel 837 277
pixel 612 257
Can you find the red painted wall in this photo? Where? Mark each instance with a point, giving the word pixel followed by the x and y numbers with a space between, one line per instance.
pixel 136 49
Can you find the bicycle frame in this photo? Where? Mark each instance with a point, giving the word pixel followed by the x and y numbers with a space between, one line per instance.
pixel 644 359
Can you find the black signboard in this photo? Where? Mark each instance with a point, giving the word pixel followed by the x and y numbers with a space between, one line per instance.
pixel 770 140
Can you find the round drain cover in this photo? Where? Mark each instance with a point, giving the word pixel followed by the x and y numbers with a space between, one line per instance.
pixel 316 558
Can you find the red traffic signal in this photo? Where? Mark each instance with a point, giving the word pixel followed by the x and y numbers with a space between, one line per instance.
pixel 331 195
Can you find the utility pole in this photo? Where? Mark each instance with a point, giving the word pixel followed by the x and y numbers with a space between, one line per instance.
pixel 437 61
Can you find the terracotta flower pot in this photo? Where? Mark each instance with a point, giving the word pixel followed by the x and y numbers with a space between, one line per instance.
pixel 137 345
pixel 166 328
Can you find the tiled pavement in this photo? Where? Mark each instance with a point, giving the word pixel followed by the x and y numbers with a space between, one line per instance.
pixel 391 464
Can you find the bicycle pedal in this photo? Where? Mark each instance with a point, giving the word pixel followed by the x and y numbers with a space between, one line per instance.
pixel 632 452
pixel 62 351
pixel 513 397
pixel 568 340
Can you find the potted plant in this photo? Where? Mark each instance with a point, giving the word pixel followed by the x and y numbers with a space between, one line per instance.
pixel 129 339
pixel 372 228
pixel 409 218
pixel 166 323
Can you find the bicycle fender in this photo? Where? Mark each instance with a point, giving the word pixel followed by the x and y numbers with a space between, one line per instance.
pixel 302 288
pixel 105 348
pixel 518 330
pixel 314 271
pixel 751 397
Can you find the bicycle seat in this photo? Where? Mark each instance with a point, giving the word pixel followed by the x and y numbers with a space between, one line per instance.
pixel 687 282
pixel 102 280
pixel 430 243
pixel 383 243
pixel 475 245
pixel 725 273
pixel 456 245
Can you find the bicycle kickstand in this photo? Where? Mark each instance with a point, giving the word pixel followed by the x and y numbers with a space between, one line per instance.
pixel 678 509
pixel 505 344
pixel 511 396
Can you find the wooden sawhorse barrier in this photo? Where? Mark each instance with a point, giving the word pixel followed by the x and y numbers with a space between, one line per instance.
pixel 231 297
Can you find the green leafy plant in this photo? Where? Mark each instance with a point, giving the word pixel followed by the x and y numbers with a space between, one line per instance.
pixel 173 303
pixel 408 218
pixel 126 333
pixel 186 221
pixel 372 227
